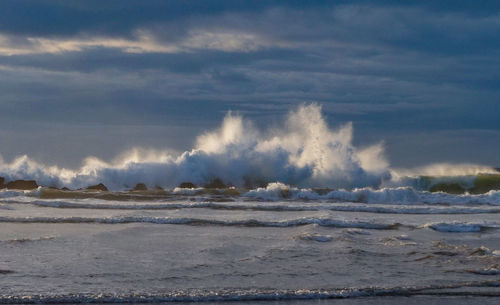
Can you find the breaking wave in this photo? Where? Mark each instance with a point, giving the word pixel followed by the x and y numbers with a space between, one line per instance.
pixel 324 222
pixel 398 195
pixel 488 288
pixel 453 226
pixel 282 206
pixel 303 152
pixel 396 200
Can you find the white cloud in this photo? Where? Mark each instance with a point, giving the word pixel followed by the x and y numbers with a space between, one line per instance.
pixel 145 42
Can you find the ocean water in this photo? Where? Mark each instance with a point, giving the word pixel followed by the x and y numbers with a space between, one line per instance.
pixel 158 246
pixel 292 215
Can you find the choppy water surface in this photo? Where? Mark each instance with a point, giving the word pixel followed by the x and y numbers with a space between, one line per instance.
pixel 274 243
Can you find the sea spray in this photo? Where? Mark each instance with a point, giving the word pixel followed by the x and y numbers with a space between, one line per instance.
pixel 305 152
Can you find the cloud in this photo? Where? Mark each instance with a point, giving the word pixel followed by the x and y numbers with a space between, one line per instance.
pixel 169 28
pixel 419 67
pixel 144 42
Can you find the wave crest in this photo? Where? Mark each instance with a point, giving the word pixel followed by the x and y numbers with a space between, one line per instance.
pixel 304 152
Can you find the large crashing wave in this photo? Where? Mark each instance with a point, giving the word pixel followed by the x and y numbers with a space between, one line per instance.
pixel 304 152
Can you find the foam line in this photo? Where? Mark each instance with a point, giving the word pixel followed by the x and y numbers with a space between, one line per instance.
pixel 459 289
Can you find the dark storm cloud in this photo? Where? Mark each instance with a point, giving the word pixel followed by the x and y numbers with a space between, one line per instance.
pixel 424 66
pixel 115 17
pixel 429 25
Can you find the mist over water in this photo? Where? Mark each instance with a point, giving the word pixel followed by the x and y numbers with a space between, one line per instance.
pixel 304 152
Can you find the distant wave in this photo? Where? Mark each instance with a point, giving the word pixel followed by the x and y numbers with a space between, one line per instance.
pixel 282 206
pixel 303 152
pixel 455 289
pixel 397 195
pixel 251 222
pixel 326 222
pixel 274 192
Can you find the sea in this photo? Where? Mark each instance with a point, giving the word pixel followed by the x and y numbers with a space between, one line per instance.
pixel 295 215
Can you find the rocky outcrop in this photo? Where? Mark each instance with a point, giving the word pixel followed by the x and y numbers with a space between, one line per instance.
pixel 187 185
pixel 98 187
pixel 140 187
pixel 22 185
pixel 215 184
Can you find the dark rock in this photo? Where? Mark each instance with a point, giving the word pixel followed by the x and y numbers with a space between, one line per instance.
pixel 65 189
pixel 2 181
pixel 98 187
pixel 232 192
pixel 251 183
pixel 187 185
pixel 22 185
pixel 216 184
pixel 140 187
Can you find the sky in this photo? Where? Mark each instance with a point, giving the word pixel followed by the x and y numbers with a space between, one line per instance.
pixel 80 78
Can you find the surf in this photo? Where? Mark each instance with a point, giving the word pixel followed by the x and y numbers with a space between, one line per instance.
pixel 303 152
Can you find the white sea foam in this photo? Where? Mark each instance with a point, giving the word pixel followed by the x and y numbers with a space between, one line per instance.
pixel 187 191
pixel 446 170
pixel 398 195
pixel 408 195
pixel 279 191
